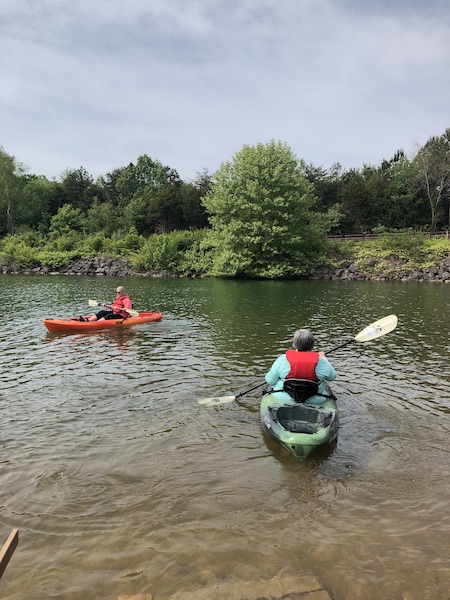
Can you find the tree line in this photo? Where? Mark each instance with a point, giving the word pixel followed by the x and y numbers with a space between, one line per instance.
pixel 263 213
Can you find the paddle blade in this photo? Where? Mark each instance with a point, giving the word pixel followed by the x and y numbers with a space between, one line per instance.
pixel 130 311
pixel 217 400
pixel 377 329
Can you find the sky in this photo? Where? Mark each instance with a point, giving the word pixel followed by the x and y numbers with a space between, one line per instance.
pixel 98 83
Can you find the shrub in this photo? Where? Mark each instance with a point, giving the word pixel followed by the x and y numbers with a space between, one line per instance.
pixel 15 251
pixel 56 259
pixel 403 244
pixel 178 252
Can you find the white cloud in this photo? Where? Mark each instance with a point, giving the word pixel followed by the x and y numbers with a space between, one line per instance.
pixel 189 82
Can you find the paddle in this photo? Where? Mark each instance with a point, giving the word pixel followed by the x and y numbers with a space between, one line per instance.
pixel 371 332
pixel 223 399
pixel 130 311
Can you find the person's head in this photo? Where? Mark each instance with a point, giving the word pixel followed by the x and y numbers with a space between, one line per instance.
pixel 120 290
pixel 303 340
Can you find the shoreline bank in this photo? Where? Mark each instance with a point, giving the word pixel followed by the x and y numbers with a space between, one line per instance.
pixel 348 269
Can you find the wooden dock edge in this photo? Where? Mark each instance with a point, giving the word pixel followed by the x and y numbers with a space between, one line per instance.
pixel 8 549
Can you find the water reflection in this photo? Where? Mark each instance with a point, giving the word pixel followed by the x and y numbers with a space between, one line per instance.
pixel 105 445
pixel 120 337
pixel 316 459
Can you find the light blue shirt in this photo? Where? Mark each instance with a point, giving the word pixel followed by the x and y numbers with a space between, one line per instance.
pixel 280 369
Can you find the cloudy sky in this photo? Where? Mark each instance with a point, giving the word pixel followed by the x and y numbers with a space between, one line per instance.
pixel 97 83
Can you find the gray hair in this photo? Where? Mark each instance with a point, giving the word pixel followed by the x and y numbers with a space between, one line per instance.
pixel 303 340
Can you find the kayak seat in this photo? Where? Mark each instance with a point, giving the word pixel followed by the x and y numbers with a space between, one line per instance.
pixel 300 389
pixel 299 418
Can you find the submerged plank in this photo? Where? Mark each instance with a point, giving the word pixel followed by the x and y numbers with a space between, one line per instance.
pixel 304 587
pixel 146 596
pixel 8 549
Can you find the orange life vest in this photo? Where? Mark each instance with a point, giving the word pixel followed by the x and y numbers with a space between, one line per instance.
pixel 118 305
pixel 303 365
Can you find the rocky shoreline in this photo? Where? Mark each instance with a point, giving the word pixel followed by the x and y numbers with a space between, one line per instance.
pixel 382 270
pixel 347 270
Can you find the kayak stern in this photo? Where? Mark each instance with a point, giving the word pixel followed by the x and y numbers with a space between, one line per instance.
pixel 298 427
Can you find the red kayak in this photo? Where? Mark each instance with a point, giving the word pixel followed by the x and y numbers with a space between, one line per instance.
pixel 74 324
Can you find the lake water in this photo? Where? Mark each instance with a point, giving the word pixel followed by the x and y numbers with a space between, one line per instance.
pixel 120 482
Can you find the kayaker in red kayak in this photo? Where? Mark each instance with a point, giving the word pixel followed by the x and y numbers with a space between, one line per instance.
pixel 115 311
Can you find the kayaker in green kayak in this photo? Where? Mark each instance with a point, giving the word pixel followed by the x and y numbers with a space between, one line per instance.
pixel 301 363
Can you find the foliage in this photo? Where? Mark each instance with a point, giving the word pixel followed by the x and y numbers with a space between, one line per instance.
pixel 79 188
pixel 95 243
pixel 260 211
pixel 56 259
pixel 65 242
pixel 152 198
pixel 66 221
pixel 178 252
pixel 403 250
pixel 120 245
pixel 432 175
pixel 135 214
pixel 11 185
pixel 194 214
pixel 263 214
pixel 14 250
pixel 326 183
pixel 147 195
pixel 102 217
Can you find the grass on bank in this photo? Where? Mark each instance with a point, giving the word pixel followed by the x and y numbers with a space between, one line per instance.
pixel 392 253
pixel 191 253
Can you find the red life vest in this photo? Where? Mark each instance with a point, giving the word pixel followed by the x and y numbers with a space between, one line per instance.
pixel 303 365
pixel 118 305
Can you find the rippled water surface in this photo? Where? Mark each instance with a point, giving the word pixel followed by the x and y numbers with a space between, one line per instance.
pixel 120 482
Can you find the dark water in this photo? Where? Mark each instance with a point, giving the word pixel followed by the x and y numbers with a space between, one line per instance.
pixel 121 483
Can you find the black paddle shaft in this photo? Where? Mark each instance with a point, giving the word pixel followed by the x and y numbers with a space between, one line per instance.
pixel 340 346
pixel 251 389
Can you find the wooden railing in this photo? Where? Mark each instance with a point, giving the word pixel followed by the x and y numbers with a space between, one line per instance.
pixel 362 237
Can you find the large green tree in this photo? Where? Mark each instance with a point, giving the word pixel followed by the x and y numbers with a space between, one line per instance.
pixel 260 211
pixel 402 208
pixel 194 213
pixel 326 184
pixel 149 195
pixel 11 185
pixel 432 164
pixel 79 188
pixel 36 202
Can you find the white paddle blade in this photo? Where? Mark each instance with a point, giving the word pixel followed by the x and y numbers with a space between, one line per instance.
pixel 217 400
pixel 377 329
pixel 130 311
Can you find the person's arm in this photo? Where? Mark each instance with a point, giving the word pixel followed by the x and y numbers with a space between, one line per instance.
pixel 127 303
pixel 324 369
pixel 277 370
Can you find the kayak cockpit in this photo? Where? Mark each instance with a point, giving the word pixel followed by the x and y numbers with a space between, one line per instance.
pixel 301 418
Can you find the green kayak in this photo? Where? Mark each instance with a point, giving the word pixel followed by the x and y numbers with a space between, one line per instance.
pixel 298 427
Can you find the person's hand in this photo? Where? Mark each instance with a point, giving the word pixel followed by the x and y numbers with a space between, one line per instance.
pixel 321 354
